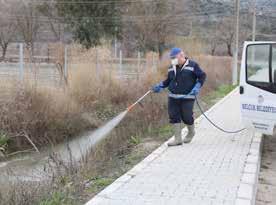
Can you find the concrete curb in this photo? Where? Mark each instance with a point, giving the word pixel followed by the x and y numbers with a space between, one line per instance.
pixel 247 191
pixel 144 163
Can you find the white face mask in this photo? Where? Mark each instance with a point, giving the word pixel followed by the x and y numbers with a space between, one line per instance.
pixel 174 61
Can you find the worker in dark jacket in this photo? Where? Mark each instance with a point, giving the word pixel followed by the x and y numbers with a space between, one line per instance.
pixel 184 81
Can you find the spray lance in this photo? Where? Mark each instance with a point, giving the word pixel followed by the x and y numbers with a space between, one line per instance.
pixel 138 101
pixel 174 62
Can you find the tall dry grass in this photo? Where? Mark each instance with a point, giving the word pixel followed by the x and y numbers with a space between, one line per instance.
pixel 44 115
pixel 217 68
pixel 48 115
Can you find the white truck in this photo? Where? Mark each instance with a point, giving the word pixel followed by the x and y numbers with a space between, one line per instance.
pixel 258 86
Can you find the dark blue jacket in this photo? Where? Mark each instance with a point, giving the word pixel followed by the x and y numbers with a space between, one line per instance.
pixel 181 80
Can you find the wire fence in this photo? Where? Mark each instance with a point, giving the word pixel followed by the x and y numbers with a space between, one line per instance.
pixel 51 64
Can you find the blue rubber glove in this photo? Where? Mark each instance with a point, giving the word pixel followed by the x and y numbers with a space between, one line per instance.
pixel 157 88
pixel 196 89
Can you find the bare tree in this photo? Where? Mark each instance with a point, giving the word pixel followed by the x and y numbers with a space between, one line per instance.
pixel 28 23
pixel 7 33
pixel 152 27
pixel 227 33
pixel 246 27
pixel 49 10
pixel 8 28
pixel 213 44
pixel 212 35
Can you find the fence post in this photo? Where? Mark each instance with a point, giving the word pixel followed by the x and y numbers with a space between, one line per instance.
pixel 115 47
pixel 21 61
pixel 153 64
pixel 65 63
pixel 146 65
pixel 139 64
pixel 48 53
pixel 97 62
pixel 121 64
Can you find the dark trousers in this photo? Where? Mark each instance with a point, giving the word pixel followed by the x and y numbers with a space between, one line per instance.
pixel 181 110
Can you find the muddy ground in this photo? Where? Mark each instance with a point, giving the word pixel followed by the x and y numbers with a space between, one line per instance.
pixel 266 192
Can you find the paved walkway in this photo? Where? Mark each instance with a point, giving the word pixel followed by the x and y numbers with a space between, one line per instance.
pixel 216 168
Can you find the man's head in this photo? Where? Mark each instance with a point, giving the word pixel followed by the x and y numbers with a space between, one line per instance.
pixel 177 53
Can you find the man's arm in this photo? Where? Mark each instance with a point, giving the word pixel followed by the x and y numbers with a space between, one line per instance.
pixel 166 82
pixel 200 74
pixel 201 77
pixel 160 86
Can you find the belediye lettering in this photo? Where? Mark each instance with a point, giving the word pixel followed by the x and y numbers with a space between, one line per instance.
pixel 259 108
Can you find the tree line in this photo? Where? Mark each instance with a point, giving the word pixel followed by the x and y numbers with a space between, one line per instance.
pixel 137 24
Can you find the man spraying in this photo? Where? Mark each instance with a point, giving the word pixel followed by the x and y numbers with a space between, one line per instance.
pixel 184 81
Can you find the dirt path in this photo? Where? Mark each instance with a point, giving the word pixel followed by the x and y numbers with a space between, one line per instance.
pixel 267 178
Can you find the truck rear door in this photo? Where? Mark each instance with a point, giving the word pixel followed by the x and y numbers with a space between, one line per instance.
pixel 258 86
